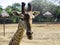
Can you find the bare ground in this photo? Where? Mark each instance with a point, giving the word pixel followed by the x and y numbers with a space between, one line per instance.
pixel 43 34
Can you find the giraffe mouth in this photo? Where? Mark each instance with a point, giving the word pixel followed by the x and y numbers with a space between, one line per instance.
pixel 29 35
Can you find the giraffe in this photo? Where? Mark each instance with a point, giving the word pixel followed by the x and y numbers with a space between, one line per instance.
pixel 16 39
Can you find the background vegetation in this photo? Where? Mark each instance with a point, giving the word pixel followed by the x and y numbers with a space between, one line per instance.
pixel 38 5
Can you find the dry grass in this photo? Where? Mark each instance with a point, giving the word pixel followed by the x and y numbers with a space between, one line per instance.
pixel 43 34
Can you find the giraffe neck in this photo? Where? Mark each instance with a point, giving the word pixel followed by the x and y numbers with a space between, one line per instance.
pixel 17 36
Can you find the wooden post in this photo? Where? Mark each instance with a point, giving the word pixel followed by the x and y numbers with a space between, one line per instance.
pixel 4 27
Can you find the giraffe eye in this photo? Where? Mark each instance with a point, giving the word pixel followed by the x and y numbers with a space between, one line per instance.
pixel 21 15
pixel 34 13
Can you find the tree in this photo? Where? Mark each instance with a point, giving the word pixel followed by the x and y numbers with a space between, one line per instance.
pixel 57 13
pixel 1 9
pixel 43 6
pixel 9 10
pixel 16 6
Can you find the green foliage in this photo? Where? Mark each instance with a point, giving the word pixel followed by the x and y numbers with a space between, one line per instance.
pixel 38 5
pixel 9 10
pixel 16 6
pixel 1 10
pixel 57 11
pixel 43 6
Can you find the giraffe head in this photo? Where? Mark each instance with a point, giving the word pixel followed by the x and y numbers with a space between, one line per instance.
pixel 24 12
pixel 27 15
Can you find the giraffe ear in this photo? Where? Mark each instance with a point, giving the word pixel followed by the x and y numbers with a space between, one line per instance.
pixel 15 13
pixel 36 12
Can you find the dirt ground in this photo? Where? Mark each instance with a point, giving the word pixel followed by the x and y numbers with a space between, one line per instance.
pixel 43 34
